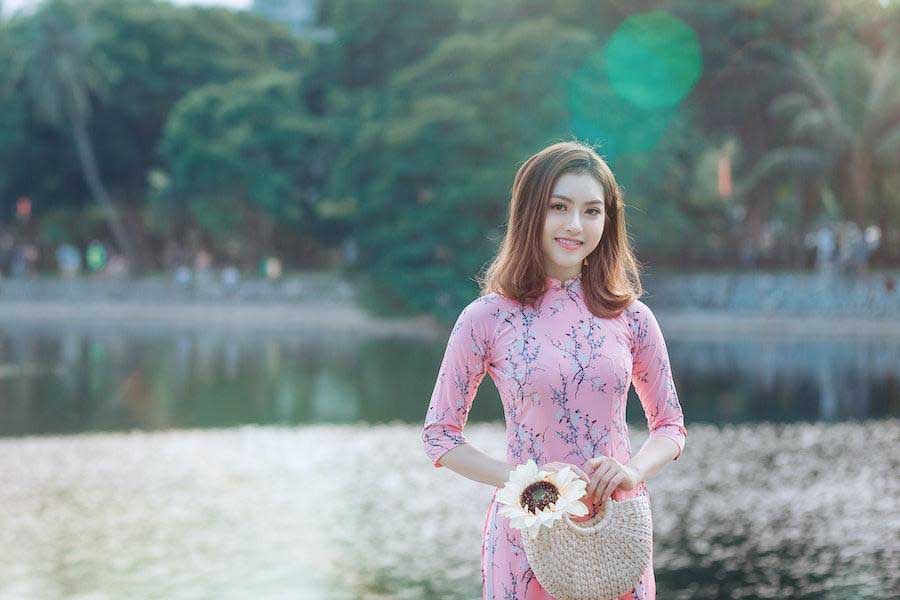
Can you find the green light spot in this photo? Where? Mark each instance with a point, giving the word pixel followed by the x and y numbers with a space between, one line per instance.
pixel 96 257
pixel 653 60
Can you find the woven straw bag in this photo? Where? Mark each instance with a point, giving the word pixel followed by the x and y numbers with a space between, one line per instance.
pixel 598 559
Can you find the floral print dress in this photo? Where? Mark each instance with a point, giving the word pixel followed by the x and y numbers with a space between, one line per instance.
pixel 563 376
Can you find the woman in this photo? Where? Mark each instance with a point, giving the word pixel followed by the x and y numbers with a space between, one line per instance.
pixel 561 331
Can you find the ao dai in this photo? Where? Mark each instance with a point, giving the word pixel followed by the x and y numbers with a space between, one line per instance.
pixel 563 376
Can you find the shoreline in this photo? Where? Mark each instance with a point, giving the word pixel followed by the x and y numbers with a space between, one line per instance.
pixel 337 318
pixel 692 324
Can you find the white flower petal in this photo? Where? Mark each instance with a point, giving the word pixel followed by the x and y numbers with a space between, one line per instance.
pixel 548 516
pixel 510 494
pixel 525 475
pixel 577 508
pixel 577 486
pixel 511 511
pixel 563 477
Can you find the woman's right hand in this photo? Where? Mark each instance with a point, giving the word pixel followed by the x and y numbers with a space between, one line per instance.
pixel 558 466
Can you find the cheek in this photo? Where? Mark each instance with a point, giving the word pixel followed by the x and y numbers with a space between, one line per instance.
pixel 550 226
pixel 597 231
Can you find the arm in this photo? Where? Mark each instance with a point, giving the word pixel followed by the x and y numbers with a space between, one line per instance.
pixel 462 369
pixel 657 452
pixel 475 464
pixel 653 382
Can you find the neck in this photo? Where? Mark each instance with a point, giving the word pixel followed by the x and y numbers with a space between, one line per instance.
pixel 563 275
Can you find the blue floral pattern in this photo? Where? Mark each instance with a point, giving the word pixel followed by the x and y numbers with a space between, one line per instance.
pixel 563 376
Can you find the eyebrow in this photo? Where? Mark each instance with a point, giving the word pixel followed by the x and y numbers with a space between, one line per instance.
pixel 570 200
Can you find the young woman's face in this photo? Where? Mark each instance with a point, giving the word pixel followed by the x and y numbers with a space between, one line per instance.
pixel 575 211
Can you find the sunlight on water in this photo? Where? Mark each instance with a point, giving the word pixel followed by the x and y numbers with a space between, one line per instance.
pixel 358 512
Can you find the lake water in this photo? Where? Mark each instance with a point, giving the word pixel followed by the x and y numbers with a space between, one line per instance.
pixel 72 380
pixel 197 463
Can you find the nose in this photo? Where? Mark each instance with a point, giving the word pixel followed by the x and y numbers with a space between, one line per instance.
pixel 574 224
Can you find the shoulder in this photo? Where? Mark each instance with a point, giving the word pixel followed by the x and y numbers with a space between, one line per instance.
pixel 481 313
pixel 635 313
pixel 640 321
pixel 638 308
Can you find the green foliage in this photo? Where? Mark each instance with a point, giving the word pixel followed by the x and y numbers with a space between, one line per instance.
pixel 37 158
pixel 148 78
pixel 374 39
pixel 72 225
pixel 843 111
pixel 405 130
pixel 145 55
pixel 434 176
pixel 249 145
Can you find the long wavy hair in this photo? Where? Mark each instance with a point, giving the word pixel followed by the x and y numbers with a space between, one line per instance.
pixel 610 279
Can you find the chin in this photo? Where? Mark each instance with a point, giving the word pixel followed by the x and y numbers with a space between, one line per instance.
pixel 570 261
pixel 572 258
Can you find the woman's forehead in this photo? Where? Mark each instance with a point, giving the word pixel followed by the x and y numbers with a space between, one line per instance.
pixel 582 188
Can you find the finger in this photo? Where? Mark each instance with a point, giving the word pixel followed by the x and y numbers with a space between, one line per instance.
pixel 593 463
pixel 599 480
pixel 559 466
pixel 608 473
pixel 574 468
pixel 581 474
pixel 592 487
pixel 553 467
pixel 611 486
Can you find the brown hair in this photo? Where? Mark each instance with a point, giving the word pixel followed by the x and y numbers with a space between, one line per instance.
pixel 610 280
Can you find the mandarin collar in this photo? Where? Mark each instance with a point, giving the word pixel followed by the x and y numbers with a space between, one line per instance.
pixel 556 284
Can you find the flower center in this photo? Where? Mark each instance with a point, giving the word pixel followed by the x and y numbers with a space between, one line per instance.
pixel 539 495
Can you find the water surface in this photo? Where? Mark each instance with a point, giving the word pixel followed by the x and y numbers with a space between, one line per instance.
pixel 70 380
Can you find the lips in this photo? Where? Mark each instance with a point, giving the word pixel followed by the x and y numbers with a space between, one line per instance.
pixel 568 244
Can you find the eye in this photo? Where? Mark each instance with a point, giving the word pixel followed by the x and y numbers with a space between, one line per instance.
pixel 595 211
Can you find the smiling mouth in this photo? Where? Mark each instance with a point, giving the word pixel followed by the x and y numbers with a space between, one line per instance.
pixel 568 244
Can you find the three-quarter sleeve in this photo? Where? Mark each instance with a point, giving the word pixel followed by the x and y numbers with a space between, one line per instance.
pixel 652 376
pixel 464 365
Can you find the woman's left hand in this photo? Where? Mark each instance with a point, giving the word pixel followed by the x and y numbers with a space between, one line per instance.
pixel 607 474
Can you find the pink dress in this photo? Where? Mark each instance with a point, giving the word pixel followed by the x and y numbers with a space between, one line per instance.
pixel 563 376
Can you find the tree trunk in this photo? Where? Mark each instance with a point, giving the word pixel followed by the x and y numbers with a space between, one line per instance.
pixel 810 191
pixel 859 182
pixel 749 237
pixel 882 216
pixel 810 199
pixel 98 191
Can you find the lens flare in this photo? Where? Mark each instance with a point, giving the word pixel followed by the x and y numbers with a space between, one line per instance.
pixel 653 59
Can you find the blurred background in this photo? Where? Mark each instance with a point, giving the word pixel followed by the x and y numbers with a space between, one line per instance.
pixel 234 236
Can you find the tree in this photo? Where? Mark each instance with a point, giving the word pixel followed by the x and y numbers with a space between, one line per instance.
pixel 148 54
pixel 847 111
pixel 60 76
pixel 250 152
pixel 432 177
pixel 155 53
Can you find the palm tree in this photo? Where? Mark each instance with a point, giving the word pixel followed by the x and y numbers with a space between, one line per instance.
pixel 59 74
pixel 752 183
pixel 847 113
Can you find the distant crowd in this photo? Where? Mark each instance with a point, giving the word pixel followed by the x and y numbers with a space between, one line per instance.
pixel 23 259
pixel 844 246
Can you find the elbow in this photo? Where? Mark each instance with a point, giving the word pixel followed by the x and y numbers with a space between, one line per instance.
pixel 675 432
pixel 437 440
pixel 680 442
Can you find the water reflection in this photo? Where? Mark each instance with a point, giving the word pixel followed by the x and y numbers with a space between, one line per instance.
pixel 750 511
pixel 65 380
